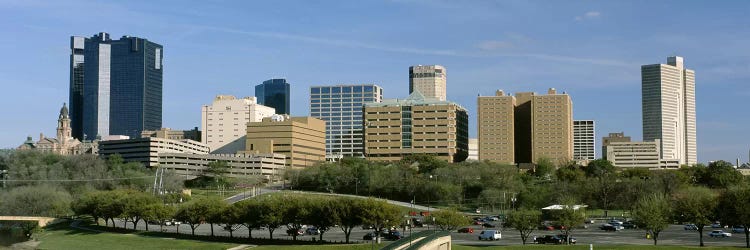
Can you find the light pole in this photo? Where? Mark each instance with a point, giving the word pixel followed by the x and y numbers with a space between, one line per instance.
pixel 4 176
pixel 513 202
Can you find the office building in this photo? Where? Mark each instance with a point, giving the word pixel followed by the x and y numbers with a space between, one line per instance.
pixel 115 86
pixel 495 126
pixel 274 93
pixel 341 107
pixel 224 122
pixel 168 133
pixel 396 128
pixel 613 137
pixel 525 127
pixel 473 149
pixel 429 80
pixel 668 102
pixel 584 140
pixel 301 139
pixel 266 167
pixel 147 150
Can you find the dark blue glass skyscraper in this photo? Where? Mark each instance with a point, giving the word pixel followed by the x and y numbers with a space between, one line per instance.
pixel 115 86
pixel 274 93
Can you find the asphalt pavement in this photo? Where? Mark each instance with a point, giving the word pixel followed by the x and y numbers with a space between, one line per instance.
pixel 674 235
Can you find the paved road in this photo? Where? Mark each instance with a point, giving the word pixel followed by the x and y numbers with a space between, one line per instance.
pixel 674 235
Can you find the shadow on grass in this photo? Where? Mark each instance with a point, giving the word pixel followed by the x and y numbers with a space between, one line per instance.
pixel 95 229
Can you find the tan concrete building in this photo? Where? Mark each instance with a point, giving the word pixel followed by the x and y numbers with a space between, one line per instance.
pixel 526 127
pixel 268 167
pixel 634 154
pixel 613 137
pixel 430 80
pixel 473 149
pixel 495 126
pixel 167 133
pixel 224 122
pixel 147 150
pixel 551 126
pixel 301 139
pixel 395 128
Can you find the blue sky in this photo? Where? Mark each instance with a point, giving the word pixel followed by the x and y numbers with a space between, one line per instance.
pixel 590 49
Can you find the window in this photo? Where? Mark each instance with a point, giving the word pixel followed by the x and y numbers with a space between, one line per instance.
pixel 314 91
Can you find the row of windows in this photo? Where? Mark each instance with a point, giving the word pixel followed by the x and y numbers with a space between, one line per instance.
pixel 357 114
pixel 336 109
pixel 354 100
pixel 316 105
pixel 345 89
pixel 348 95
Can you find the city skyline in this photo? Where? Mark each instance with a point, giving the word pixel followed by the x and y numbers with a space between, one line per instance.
pixel 592 50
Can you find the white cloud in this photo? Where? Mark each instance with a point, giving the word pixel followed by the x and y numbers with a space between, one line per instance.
pixel 589 15
pixel 494 45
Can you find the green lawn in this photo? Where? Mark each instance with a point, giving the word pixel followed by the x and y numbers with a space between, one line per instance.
pixel 63 237
pixel 586 247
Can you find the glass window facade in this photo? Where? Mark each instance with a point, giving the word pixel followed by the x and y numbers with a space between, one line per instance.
pixel 340 106
pixel 274 93
pixel 122 86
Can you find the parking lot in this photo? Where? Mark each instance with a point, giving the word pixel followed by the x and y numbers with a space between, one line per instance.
pixel 674 235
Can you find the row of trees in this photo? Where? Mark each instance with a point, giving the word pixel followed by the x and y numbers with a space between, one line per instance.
pixel 656 211
pixel 270 212
pixel 493 186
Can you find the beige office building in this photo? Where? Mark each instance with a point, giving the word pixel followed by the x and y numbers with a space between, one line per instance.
pixel 430 80
pixel 526 127
pixel 167 133
pixel 668 102
pixel 396 128
pixel 224 122
pixel 473 149
pixel 496 127
pixel 301 139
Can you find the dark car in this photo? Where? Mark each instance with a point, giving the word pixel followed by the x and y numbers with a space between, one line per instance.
pixel 609 227
pixel 417 222
pixel 369 236
pixel 489 225
pixel 564 238
pixel 629 225
pixel 548 239
pixel 466 230
pixel 393 235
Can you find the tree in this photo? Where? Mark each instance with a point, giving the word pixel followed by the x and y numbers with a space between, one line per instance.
pixel 215 208
pixel 231 217
pixel 570 216
pixel 249 215
pixel 347 213
pixel 544 168
pixel 321 215
pixel 136 206
pixel 380 214
pixel 449 219
pixel 652 213
pixel 296 211
pixel 732 209
pixel 599 168
pixel 160 213
pixel 720 174
pixel 271 213
pixel 696 205
pixel 35 201
pixel 196 212
pixel 570 173
pixel 525 221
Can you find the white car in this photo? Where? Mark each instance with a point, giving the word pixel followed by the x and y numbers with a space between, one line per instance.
pixel 490 235
pixel 719 233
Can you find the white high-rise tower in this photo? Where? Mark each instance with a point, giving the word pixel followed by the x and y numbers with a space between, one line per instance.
pixel 668 102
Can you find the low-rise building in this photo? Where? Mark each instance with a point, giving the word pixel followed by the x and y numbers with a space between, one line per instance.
pixel 64 144
pixel 147 150
pixel 301 139
pixel 634 154
pixel 269 167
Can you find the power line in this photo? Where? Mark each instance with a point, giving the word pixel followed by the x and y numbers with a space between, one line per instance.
pixel 81 180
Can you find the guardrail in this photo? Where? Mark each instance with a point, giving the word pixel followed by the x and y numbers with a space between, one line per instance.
pixel 416 240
